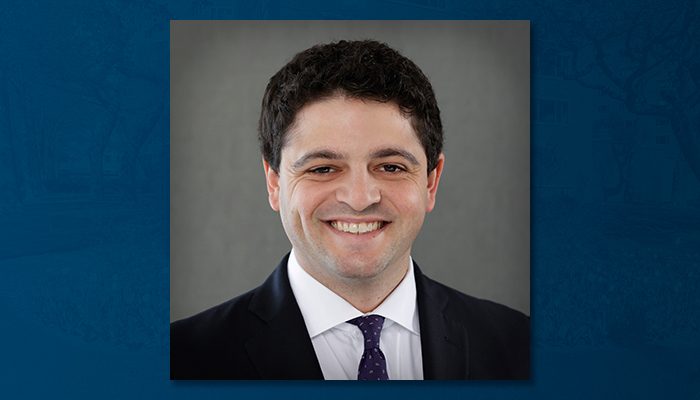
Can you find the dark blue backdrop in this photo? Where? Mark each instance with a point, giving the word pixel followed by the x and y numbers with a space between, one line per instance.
pixel 84 197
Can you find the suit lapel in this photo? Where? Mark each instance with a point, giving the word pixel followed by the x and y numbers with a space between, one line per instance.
pixel 444 339
pixel 282 349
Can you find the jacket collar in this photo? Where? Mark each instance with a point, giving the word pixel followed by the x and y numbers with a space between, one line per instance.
pixel 444 339
pixel 284 349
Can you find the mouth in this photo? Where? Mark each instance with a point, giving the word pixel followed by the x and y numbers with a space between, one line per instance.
pixel 358 228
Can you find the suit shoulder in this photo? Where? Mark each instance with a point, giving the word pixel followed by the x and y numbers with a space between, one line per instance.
pixel 482 309
pixel 214 320
pixel 499 336
pixel 203 344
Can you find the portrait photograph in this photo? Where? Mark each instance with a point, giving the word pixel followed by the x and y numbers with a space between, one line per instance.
pixel 350 200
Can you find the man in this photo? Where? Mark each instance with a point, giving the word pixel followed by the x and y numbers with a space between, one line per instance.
pixel 352 153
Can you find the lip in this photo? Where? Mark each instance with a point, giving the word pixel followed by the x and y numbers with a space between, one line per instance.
pixel 365 220
pixel 361 236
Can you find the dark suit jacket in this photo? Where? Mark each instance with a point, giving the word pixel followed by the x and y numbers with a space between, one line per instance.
pixel 261 335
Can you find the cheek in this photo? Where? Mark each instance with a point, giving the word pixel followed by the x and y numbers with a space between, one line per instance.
pixel 307 198
pixel 407 197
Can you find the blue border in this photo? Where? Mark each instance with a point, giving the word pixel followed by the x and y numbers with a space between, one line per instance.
pixel 84 203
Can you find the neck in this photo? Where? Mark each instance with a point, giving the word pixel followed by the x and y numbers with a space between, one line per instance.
pixel 364 293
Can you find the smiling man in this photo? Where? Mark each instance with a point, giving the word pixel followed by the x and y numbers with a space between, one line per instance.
pixel 352 152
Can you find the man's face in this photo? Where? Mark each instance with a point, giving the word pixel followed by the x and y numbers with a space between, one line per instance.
pixel 352 189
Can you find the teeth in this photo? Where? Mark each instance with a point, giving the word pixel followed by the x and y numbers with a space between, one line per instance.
pixel 356 228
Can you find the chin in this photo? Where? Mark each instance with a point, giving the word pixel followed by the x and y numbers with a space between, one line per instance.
pixel 359 268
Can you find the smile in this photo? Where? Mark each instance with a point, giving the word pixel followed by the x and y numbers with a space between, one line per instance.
pixel 357 228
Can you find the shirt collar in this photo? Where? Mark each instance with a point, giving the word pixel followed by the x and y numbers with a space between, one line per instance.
pixel 322 309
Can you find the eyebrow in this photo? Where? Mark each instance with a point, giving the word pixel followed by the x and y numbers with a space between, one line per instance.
pixel 391 152
pixel 332 155
pixel 324 154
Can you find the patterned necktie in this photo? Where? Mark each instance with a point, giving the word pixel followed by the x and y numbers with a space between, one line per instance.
pixel 373 363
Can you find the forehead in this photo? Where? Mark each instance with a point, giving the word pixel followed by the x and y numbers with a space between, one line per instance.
pixel 352 125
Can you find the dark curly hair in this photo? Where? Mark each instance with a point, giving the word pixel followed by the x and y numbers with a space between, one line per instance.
pixel 364 69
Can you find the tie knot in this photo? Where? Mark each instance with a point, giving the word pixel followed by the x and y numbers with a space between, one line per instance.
pixel 371 328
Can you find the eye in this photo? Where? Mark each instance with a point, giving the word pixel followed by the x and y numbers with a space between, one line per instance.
pixel 393 168
pixel 321 170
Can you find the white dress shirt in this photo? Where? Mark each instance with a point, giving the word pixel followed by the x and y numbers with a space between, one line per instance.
pixel 339 345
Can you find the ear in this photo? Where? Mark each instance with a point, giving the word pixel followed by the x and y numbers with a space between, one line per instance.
pixel 273 186
pixel 433 182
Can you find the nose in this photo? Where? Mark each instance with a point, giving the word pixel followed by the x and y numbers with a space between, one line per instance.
pixel 358 190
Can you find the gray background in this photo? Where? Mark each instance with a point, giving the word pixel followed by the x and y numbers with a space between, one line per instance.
pixel 224 238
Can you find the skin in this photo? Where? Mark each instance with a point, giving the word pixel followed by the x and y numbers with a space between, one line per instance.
pixel 355 161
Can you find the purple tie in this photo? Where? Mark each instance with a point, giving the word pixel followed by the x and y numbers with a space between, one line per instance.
pixel 372 364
